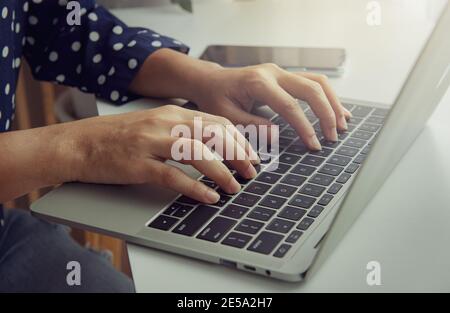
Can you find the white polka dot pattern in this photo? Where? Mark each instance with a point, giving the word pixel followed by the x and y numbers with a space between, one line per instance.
pixel 100 56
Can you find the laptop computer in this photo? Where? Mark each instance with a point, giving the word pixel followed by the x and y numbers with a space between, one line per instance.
pixel 284 223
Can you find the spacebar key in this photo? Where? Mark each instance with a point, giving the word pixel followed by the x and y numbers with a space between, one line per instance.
pixel 194 221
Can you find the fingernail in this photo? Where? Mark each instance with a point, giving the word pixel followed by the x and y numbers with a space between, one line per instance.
pixel 344 123
pixel 250 172
pixel 315 144
pixel 254 158
pixel 235 187
pixel 349 113
pixel 212 196
pixel 334 134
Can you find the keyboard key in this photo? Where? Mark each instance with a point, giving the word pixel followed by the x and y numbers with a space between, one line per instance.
pixel 261 214
pixel 288 133
pixel 297 149
pixel 375 120
pixel 329 144
pixel 369 127
pixel 249 226
pixel 222 200
pixel 343 178
pixel 347 151
pixel 312 118
pixel 216 229
pixel 292 213
pixel 334 189
pixel 234 211
pixel 283 190
pixel 284 142
pixel 332 170
pixel 339 160
pixel 303 170
pixel 342 136
pixel 187 200
pixel 366 150
pixel 320 179
pixel 359 159
pixel 381 112
pixel 355 120
pixel 305 223
pixel 294 180
pixel 352 168
pixel 312 160
pixel 236 240
pixel 280 226
pixel 289 158
pixel 312 190
pixel 278 168
pixel 246 199
pixel 194 221
pixel 265 243
pixel 361 111
pixel 257 188
pixel 348 106
pixel 272 202
pixel 268 177
pixel 278 120
pixel 163 222
pixel 302 201
pixel 174 207
pixel 294 236
pixel 182 211
pixel 241 180
pixel 315 211
pixel 362 135
pixel 355 143
pixel 265 158
pixel 350 127
pixel 325 152
pixel 326 199
pixel 208 183
pixel 282 250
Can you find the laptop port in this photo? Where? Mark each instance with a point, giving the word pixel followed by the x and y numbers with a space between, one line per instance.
pixel 250 268
pixel 227 263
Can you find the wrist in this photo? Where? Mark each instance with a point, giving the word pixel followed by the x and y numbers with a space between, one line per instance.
pixel 62 153
pixel 171 74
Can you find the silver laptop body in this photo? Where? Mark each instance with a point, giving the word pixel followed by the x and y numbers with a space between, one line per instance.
pixel 259 233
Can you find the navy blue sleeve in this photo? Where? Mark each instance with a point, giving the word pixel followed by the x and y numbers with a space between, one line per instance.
pixel 101 56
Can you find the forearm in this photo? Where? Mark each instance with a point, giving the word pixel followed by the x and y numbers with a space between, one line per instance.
pixel 33 159
pixel 168 74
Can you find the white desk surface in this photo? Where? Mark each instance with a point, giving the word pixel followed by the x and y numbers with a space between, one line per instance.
pixel 406 227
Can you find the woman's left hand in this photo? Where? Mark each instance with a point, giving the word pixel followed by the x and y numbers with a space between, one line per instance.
pixel 232 93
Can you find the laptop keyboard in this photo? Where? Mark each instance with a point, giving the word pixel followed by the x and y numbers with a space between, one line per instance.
pixel 274 210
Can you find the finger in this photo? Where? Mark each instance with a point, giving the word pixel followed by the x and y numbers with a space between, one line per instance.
pixel 342 114
pixel 195 153
pixel 173 178
pixel 249 123
pixel 285 105
pixel 312 92
pixel 225 144
pixel 225 114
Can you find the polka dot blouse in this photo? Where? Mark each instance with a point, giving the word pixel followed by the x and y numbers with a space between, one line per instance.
pixel 100 56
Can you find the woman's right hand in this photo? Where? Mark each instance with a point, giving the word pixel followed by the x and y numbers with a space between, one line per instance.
pixel 131 149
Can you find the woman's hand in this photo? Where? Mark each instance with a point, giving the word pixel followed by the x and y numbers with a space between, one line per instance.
pixel 126 149
pixel 232 93
pixel 131 149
